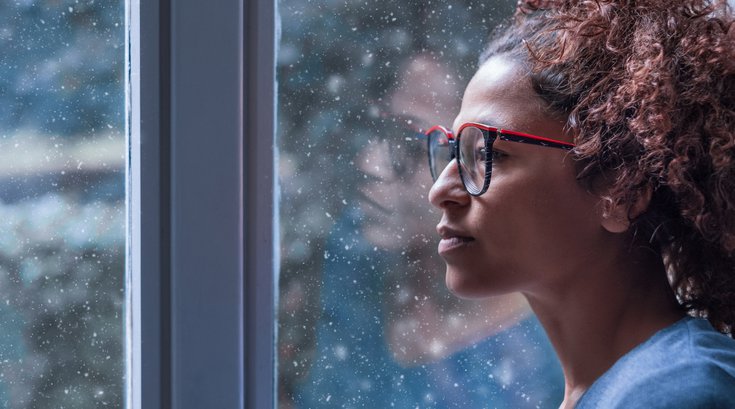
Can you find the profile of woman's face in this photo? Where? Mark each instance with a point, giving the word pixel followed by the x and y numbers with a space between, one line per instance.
pixel 397 215
pixel 535 226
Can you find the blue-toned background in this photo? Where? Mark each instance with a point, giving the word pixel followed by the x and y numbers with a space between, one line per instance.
pixel 62 192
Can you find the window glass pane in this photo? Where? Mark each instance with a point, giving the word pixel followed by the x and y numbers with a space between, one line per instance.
pixel 62 194
pixel 365 319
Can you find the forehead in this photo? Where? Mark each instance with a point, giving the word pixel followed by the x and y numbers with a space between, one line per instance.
pixel 500 94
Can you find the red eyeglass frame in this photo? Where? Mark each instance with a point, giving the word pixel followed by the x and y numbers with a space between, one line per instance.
pixel 488 131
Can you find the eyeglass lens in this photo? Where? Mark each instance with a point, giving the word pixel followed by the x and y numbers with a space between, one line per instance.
pixel 472 159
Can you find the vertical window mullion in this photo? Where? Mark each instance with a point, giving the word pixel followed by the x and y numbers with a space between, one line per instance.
pixel 261 210
pixel 206 204
pixel 202 221
pixel 148 319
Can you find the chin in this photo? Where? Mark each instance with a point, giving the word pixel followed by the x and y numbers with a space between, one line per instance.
pixel 470 285
pixel 459 285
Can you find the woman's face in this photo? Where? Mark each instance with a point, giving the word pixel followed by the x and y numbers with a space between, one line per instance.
pixel 393 201
pixel 535 227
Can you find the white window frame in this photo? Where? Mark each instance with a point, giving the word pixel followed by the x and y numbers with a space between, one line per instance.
pixel 202 227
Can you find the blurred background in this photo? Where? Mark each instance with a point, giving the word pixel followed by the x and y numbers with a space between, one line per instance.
pixel 62 195
pixel 365 320
pixel 364 317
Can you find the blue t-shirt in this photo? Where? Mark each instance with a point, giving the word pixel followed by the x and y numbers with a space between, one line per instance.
pixel 687 365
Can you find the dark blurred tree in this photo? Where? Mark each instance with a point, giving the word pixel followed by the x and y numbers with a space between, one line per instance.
pixel 61 66
pixel 64 298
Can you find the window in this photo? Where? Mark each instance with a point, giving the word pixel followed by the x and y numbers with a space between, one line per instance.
pixel 364 317
pixel 62 201
pixel 202 204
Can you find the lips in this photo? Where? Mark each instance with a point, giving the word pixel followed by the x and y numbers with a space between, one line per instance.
pixel 452 239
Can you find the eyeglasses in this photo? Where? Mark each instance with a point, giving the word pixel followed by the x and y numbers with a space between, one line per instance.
pixel 473 145
pixel 403 134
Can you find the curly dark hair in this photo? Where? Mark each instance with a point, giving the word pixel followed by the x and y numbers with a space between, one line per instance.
pixel 648 89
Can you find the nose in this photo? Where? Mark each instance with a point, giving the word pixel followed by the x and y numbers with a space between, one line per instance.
pixel 448 190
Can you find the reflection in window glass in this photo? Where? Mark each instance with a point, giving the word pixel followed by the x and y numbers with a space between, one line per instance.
pixel 365 320
pixel 62 193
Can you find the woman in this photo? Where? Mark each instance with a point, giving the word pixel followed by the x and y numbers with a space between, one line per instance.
pixel 615 216
pixel 388 334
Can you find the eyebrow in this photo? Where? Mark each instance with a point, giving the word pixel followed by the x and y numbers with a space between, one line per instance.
pixel 484 121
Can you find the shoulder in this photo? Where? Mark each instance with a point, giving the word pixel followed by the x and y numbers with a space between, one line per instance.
pixel 689 365
pixel 702 385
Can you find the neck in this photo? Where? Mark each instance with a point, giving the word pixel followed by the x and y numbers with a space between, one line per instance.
pixel 600 314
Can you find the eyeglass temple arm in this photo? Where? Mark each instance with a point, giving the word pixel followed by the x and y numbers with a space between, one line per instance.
pixel 513 136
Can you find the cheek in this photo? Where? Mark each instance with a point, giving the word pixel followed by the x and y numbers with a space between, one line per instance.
pixel 565 229
pixel 534 225
pixel 502 229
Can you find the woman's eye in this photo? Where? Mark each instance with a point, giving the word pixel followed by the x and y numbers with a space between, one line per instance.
pixel 498 155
